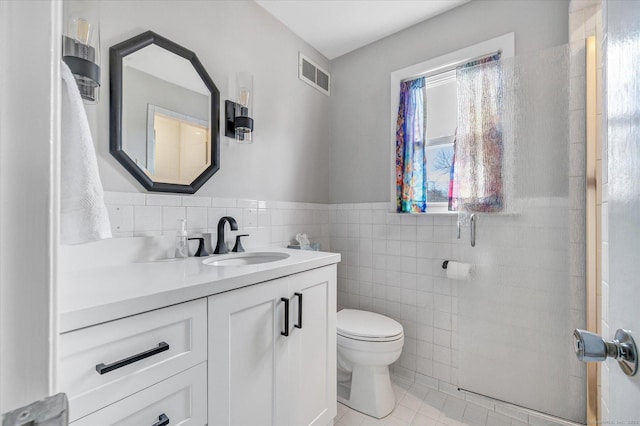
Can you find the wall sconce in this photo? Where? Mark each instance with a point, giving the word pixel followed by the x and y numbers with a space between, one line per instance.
pixel 81 52
pixel 239 124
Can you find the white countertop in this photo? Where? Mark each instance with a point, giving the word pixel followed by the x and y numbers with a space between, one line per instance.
pixel 91 296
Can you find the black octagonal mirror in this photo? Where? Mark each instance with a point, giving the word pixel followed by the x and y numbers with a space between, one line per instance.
pixel 163 114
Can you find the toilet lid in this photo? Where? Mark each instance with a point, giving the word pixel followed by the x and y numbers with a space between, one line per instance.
pixel 364 324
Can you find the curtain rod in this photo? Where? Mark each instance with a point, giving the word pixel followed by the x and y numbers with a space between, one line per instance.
pixel 477 58
pixel 453 66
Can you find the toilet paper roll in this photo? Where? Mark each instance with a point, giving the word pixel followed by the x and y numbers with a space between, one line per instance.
pixel 458 271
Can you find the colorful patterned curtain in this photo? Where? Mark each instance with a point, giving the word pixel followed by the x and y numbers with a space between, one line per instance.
pixel 411 168
pixel 476 172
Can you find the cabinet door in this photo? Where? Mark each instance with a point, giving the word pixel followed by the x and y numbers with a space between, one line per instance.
pixel 248 356
pixel 312 374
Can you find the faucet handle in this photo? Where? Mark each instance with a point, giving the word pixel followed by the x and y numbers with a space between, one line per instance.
pixel 201 252
pixel 238 247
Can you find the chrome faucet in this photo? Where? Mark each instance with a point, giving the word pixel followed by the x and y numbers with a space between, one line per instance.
pixel 221 246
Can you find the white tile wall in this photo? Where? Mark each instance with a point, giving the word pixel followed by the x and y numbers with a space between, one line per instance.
pixel 269 223
pixel 392 264
pixel 396 271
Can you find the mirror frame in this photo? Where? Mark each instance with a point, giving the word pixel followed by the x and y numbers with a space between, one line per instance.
pixel 116 55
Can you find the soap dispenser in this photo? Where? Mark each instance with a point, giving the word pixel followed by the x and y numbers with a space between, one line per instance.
pixel 182 249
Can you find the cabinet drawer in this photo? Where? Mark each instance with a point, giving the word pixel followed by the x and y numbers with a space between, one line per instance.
pixel 181 399
pixel 181 328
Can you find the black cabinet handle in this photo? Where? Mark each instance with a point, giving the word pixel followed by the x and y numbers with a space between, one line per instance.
pixel 299 324
pixel 286 316
pixel 102 368
pixel 163 420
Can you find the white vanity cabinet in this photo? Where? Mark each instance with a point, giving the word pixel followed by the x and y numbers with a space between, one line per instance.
pixel 187 343
pixel 270 368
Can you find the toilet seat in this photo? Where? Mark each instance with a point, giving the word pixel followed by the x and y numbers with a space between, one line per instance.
pixel 367 326
pixel 370 346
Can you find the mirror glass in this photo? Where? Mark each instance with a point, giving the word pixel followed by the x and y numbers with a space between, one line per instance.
pixel 162 129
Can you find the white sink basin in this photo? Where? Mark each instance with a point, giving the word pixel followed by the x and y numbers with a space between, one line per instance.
pixel 244 259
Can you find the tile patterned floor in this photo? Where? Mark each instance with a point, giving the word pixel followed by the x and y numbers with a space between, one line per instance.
pixel 418 405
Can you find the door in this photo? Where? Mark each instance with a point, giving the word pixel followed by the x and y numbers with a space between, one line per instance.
pixel 312 375
pixel 621 245
pixel 29 140
pixel 248 357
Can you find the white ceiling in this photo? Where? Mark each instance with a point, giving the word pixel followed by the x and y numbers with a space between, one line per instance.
pixel 336 27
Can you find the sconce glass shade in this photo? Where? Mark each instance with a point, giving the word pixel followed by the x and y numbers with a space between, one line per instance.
pixel 243 122
pixel 81 52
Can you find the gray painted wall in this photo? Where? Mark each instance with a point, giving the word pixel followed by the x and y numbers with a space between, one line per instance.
pixel 359 106
pixel 289 158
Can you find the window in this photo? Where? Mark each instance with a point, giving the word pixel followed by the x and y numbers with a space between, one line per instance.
pixel 441 109
pixel 439 159
pixel 442 106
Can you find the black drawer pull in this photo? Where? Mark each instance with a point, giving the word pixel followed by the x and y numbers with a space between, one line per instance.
pixel 163 420
pixel 286 317
pixel 299 324
pixel 102 368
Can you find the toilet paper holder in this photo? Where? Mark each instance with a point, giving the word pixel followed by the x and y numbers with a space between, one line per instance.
pixel 457 270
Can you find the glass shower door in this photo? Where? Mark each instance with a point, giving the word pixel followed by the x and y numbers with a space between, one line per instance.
pixel 517 312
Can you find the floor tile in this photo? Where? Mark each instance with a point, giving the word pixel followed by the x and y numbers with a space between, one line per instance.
pixel 452 411
pixel 417 405
pixel 372 421
pixel 419 391
pixel 404 413
pixel 430 411
pixel 474 415
pixel 496 419
pixel 411 401
pixel 422 420
pixel 394 421
pixel 352 418
pixel 435 399
pixel 342 410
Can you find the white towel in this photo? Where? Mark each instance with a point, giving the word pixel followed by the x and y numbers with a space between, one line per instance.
pixel 83 214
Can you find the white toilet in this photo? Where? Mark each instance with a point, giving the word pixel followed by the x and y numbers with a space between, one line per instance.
pixel 367 344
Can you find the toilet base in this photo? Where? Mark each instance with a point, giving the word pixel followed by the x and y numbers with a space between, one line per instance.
pixel 371 392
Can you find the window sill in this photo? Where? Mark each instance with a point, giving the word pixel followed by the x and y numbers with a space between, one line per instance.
pixel 423 214
pixel 433 209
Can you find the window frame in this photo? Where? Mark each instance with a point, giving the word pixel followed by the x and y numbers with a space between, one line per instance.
pixel 432 67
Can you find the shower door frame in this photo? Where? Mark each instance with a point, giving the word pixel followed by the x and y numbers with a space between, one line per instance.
pixel 593 236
